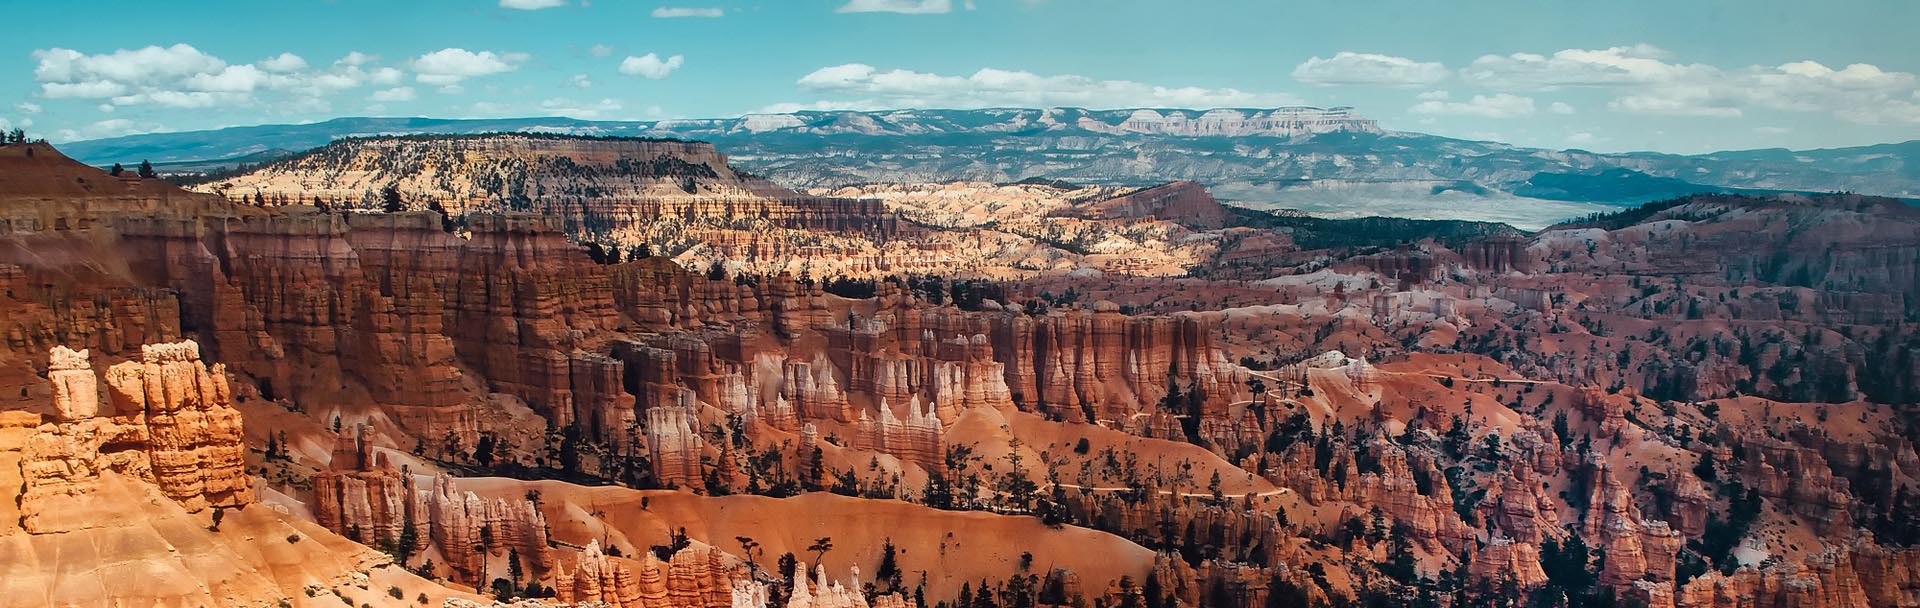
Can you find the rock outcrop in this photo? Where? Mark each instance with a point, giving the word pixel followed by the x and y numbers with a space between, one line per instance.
pixel 915 438
pixel 675 445
pixel 363 497
pixel 1507 560
pixel 1635 548
pixel 622 191
pixel 466 527
pixel 1187 203
pixel 173 425
pixel 692 578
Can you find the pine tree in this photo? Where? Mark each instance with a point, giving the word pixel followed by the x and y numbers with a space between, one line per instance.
pixel 889 570
pixel 513 565
pixel 390 199
pixel 146 170
pixel 117 170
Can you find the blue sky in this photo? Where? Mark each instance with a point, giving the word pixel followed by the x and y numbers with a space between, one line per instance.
pixel 1668 75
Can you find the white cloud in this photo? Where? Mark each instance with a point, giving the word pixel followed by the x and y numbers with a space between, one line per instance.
pixel 451 65
pixel 671 12
pixel 1559 107
pixel 600 50
pixel 181 76
pixel 867 87
pixel 531 5
pixel 1772 130
pixel 1350 68
pixel 1645 81
pixel 485 109
pixel 232 79
pixel 910 7
pixel 572 109
pixel 112 127
pixel 1500 105
pixel 146 65
pixel 1583 138
pixel 1638 64
pixel 582 81
pixel 1677 101
pixel 27 107
pixel 283 63
pixel 92 89
pixel 651 66
pixel 386 76
pixel 1433 96
pixel 393 94
pixel 181 99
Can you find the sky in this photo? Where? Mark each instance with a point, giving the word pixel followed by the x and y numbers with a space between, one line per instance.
pixel 1682 76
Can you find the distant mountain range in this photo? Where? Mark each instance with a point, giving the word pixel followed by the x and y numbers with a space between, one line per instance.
pixel 1329 161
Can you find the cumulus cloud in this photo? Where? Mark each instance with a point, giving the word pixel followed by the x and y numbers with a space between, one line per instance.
pixel 393 94
pixel 671 12
pixel 1560 107
pixel 181 99
pixel 909 7
pixel 283 63
pixel 1638 64
pixel 181 76
pixel 92 89
pixel 111 127
pixel 1350 68
pixel 1646 80
pixel 386 76
pixel 27 107
pixel 651 66
pixel 1501 105
pixel 531 5
pixel 864 86
pixel 145 65
pixel 452 65
pixel 231 79
pixel 573 109
pixel 1583 138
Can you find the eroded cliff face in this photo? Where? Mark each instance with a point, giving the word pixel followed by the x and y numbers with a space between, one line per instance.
pixel 169 421
pixel 1379 414
pixel 677 198
pixel 364 497
pixel 1185 202
pixel 134 491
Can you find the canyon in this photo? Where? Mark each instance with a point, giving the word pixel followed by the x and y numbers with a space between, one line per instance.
pixel 620 371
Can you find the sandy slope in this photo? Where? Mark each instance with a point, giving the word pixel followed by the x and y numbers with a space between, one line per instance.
pixel 951 547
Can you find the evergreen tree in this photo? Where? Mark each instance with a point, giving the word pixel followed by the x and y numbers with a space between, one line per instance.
pixel 390 199
pixel 820 547
pixel 1155 596
pixel 889 570
pixel 513 565
pixel 146 170
pixel 116 170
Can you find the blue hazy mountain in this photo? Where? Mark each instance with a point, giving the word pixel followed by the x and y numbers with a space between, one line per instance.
pixel 1324 160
